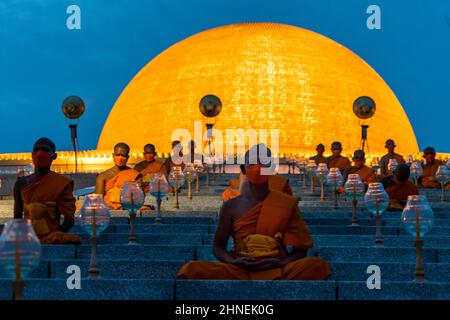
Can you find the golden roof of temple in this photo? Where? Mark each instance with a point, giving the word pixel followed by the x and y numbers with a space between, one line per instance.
pixel 268 76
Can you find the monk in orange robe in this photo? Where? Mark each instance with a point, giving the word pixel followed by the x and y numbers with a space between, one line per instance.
pixel 45 196
pixel 366 174
pixel 336 160
pixel 111 182
pixel 276 182
pixel 399 187
pixel 384 161
pixel 149 166
pixel 177 149
pixel 319 157
pixel 270 238
pixel 428 178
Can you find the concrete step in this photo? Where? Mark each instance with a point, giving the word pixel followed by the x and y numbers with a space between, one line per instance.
pixel 254 290
pixel 55 289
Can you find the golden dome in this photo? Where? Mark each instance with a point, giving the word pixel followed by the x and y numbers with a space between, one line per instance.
pixel 268 76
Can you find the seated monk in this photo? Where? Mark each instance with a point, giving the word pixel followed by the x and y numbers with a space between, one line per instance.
pixel 172 161
pixel 336 160
pixel 319 157
pixel 276 182
pixel 384 161
pixel 428 178
pixel 366 174
pixel 399 187
pixel 270 237
pixel 45 196
pixel 149 166
pixel 111 182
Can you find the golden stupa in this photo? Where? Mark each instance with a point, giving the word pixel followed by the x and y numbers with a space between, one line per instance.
pixel 268 76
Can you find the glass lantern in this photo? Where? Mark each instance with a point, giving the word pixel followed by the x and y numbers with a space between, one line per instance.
pixel 321 173
pixel 354 188
pixel 132 199
pixel 20 252
pixel 94 218
pixel 176 180
pixel 159 187
pixel 417 219
pixel 416 171
pixel 311 168
pixel 377 201
pixel 335 179
pixel 198 166
pixel 443 176
pixel 189 172
pixel 392 165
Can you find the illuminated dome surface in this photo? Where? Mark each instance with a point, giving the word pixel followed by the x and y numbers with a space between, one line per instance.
pixel 268 76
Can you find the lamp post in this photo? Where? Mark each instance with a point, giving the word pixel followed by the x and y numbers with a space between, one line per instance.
pixel 418 219
pixel 364 108
pixel 94 217
pixel 73 108
pixel 210 107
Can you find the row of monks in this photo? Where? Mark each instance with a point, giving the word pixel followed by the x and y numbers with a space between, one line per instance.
pixel 271 240
pixel 397 183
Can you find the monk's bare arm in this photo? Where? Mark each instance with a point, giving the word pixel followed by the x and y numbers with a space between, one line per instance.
pixel 222 235
pixel 18 202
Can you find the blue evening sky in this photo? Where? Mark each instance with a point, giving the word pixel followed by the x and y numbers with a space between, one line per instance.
pixel 42 62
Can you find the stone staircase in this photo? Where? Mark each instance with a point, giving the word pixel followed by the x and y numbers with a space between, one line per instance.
pixel 147 271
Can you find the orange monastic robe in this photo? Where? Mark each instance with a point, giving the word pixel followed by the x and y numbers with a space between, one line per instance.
pixel 428 179
pixel 114 187
pixel 340 162
pixel 45 200
pixel 149 169
pixel 384 161
pixel 276 218
pixel 276 182
pixel 399 193
pixel 319 159
pixel 366 174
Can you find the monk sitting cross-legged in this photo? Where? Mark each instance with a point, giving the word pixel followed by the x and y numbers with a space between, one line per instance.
pixel 45 196
pixel 111 182
pixel 319 157
pixel 270 237
pixel 366 174
pixel 399 188
pixel 428 178
pixel 149 166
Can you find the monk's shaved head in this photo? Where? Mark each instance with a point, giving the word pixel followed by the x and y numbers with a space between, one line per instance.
pixel 336 145
pixel 121 146
pixel 149 148
pixel 45 143
pixel 402 172
pixel 320 147
pixel 359 155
